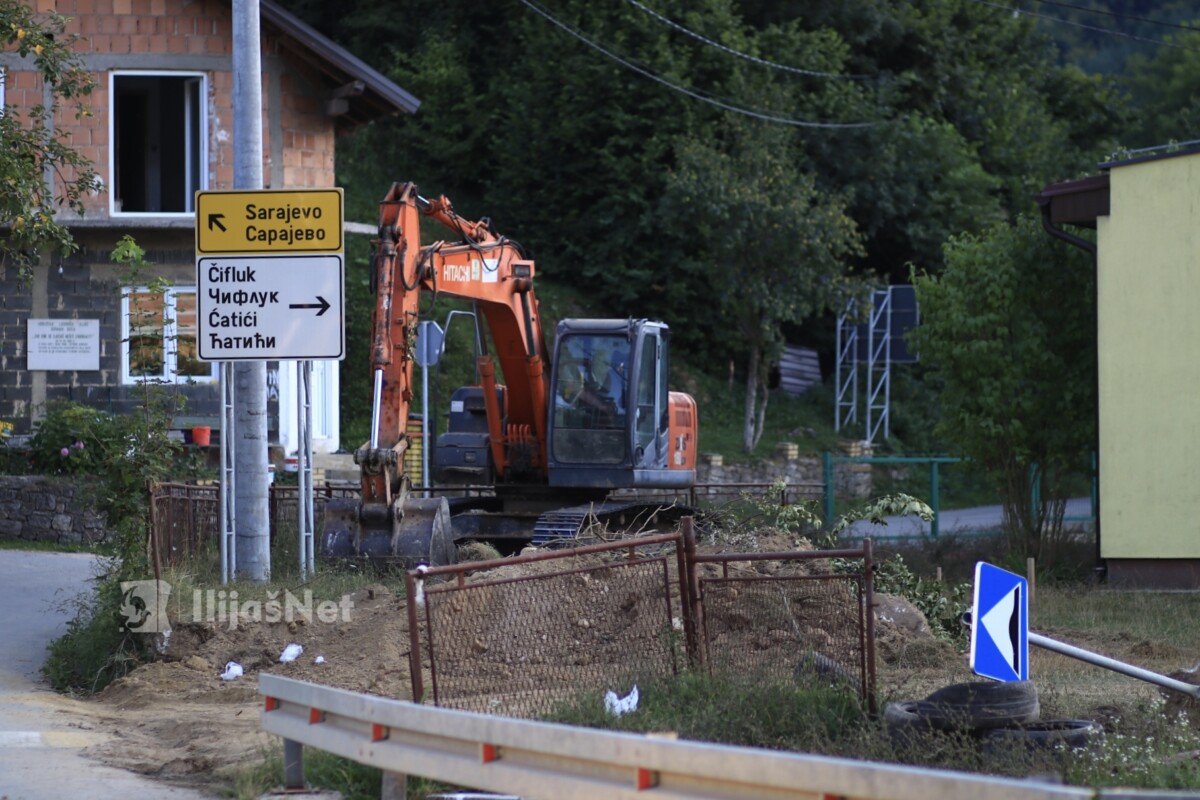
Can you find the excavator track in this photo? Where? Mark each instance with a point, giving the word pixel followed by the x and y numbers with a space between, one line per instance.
pixel 565 525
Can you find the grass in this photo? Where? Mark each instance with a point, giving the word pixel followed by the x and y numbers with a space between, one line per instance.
pixel 51 547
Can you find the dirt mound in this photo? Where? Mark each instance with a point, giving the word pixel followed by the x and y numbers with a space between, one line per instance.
pixel 593 614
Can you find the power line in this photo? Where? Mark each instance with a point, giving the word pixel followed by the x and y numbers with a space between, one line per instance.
pixel 690 93
pixel 1119 15
pixel 671 23
pixel 1109 31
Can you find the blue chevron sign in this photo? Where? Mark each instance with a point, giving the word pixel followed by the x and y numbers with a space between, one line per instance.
pixel 1000 633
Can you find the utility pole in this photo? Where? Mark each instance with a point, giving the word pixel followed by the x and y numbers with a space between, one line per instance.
pixel 249 440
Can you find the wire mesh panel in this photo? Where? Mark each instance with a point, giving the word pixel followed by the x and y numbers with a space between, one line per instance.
pixel 787 615
pixel 806 627
pixel 523 638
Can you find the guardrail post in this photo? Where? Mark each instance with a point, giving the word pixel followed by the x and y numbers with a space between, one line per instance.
pixel 395 786
pixel 293 765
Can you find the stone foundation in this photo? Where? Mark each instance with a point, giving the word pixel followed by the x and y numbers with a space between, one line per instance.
pixel 41 509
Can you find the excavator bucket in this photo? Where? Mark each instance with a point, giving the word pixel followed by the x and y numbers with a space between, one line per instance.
pixel 418 532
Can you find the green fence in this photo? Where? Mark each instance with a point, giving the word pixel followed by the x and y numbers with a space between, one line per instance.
pixel 828 460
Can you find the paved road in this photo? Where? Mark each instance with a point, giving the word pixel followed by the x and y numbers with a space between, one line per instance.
pixel 960 521
pixel 42 733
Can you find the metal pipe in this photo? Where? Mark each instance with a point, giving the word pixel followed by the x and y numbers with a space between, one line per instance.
pixel 1098 660
pixel 376 408
pixel 1114 665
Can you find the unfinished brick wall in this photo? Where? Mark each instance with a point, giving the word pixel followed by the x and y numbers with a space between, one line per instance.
pixel 191 36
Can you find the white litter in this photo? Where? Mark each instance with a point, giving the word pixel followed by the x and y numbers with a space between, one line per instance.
pixel 291 653
pixel 319 660
pixel 232 670
pixel 420 593
pixel 621 705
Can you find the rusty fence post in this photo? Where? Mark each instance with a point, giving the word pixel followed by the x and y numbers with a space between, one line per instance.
pixel 694 623
pixel 414 639
pixel 869 623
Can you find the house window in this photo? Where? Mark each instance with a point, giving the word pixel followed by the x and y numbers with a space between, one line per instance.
pixel 158 144
pixel 158 337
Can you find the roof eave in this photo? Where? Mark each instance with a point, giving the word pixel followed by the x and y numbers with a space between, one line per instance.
pixel 387 92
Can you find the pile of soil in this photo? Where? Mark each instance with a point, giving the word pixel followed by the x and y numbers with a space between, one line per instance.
pixel 177 719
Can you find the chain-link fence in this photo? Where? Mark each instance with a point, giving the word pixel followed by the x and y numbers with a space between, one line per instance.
pixel 788 615
pixel 531 632
pixel 523 635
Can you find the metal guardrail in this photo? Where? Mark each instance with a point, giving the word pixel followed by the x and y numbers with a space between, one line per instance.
pixel 542 760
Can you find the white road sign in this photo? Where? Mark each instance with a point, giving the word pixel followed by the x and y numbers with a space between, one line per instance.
pixel 256 308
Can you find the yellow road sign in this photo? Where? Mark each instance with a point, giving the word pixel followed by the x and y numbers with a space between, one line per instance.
pixel 269 221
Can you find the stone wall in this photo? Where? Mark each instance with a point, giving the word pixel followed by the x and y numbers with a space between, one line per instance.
pixel 40 509
pixel 850 480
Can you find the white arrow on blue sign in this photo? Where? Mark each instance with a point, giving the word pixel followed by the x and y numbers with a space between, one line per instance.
pixel 1000 635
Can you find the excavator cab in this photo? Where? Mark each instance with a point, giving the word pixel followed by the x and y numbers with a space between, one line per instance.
pixel 613 423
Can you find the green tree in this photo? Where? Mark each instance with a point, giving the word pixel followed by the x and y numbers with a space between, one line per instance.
pixel 39 171
pixel 775 247
pixel 1165 88
pixel 1009 329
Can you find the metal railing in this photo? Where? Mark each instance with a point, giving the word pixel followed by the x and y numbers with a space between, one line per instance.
pixel 828 460
pixel 545 761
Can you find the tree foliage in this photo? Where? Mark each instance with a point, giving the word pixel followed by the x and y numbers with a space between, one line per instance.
pixel 612 178
pixel 40 173
pixel 775 246
pixel 1165 86
pixel 1009 329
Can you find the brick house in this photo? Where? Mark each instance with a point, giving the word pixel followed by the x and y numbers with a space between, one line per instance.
pixel 162 129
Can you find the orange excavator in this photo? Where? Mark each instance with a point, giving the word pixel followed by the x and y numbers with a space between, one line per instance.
pixel 552 439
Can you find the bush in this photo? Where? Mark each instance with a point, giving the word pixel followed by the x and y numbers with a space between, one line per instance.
pixel 96 649
pixel 73 439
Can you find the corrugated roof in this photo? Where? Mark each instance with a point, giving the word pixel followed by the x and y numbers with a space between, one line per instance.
pixel 376 96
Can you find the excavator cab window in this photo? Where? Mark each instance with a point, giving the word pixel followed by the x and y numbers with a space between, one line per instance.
pixel 590 402
pixel 651 402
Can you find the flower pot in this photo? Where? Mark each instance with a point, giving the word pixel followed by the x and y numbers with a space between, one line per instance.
pixel 201 436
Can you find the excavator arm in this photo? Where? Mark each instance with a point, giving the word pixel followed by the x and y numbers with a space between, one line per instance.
pixel 480 266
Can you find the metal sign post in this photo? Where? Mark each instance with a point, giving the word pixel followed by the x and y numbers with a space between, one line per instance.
pixel 269 280
pixel 1002 637
pixel 304 513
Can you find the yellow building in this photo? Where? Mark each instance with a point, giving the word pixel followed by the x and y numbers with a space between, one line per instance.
pixel 1145 212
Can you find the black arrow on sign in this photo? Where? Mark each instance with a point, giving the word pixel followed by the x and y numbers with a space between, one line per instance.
pixel 323 305
pixel 215 219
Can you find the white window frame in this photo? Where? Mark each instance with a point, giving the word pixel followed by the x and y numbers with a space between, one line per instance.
pixel 202 145
pixel 169 372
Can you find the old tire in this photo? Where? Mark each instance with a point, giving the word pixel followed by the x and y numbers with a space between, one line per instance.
pixel 1050 734
pixel 905 726
pixel 980 706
